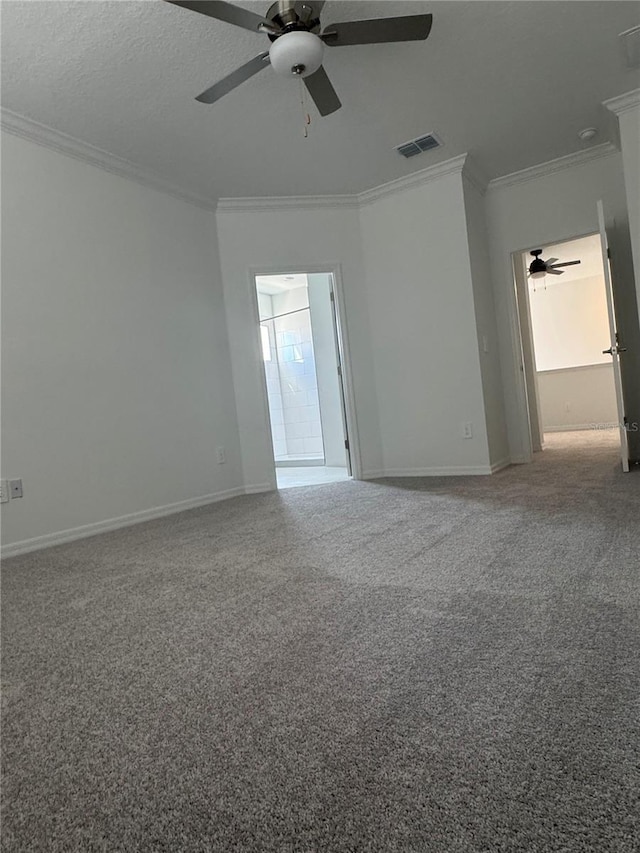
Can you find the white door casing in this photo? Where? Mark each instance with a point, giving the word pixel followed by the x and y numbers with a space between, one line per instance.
pixel 614 349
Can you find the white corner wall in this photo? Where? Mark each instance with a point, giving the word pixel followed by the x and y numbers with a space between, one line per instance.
pixel 424 339
pixel 486 326
pixel 629 118
pixel 116 384
pixel 548 208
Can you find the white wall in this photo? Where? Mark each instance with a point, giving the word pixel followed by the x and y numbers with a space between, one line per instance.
pixel 326 368
pixel 577 398
pixel 116 384
pixel 486 326
pixel 630 144
pixel 570 324
pixel 554 207
pixel 425 347
pixel 292 240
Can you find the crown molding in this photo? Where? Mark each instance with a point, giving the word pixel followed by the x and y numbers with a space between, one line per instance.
pixel 42 134
pixel 474 175
pixel 415 179
pixel 579 158
pixel 280 203
pixel 624 103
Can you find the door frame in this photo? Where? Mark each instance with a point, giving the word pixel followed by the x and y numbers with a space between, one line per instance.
pixel 529 419
pixel 342 338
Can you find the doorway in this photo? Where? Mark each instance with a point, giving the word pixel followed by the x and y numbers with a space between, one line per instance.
pixel 565 327
pixel 301 352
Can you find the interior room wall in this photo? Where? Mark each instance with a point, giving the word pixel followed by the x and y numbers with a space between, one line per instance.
pixel 270 239
pixel 546 208
pixel 486 326
pixel 629 122
pixel 577 398
pixel 319 285
pixel 422 314
pixel 116 384
pixel 570 325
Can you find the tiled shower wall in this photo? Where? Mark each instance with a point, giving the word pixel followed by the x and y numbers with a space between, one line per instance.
pixel 299 386
pixel 292 384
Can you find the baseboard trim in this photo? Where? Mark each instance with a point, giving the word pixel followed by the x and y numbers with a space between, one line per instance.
pixel 578 427
pixel 61 537
pixel 258 489
pixel 500 465
pixel 449 471
pixel 519 460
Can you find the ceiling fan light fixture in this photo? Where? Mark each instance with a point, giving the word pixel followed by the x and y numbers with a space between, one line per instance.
pixel 296 54
pixel 540 274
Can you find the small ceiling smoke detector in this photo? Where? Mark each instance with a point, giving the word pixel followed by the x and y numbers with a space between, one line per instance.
pixel 588 133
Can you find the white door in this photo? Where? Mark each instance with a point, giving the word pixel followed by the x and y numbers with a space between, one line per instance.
pixel 614 349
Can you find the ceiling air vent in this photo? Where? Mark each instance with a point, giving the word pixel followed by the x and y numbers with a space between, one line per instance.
pixel 417 146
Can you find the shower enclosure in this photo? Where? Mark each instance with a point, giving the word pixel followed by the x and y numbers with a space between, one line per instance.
pixel 292 385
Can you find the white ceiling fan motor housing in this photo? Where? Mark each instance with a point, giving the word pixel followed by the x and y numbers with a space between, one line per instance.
pixel 296 54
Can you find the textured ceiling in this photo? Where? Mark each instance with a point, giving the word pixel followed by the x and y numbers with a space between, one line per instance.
pixel 511 82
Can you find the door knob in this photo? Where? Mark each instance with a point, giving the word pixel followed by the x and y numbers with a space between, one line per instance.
pixel 607 351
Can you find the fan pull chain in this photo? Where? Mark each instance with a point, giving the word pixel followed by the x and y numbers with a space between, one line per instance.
pixel 305 111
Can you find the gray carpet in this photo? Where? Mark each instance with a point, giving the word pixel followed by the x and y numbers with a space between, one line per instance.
pixel 435 665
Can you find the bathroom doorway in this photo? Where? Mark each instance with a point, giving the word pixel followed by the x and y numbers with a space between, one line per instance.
pixel 303 373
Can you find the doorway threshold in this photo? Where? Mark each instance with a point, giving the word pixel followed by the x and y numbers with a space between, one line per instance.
pixel 308 475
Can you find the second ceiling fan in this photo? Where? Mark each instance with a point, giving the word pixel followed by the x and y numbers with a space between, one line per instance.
pixel 539 268
pixel 297 45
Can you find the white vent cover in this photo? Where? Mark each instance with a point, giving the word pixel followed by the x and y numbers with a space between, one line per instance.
pixel 417 146
pixel 630 44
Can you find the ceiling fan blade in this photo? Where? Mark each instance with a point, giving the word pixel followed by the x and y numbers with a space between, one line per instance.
pixel 321 90
pixel 551 261
pixel 378 31
pixel 226 12
pixel 565 264
pixel 551 271
pixel 222 87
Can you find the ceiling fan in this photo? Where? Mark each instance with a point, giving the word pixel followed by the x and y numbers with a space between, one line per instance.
pixel 297 45
pixel 539 268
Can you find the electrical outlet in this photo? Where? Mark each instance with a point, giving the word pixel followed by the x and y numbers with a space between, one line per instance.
pixel 15 488
pixel 4 491
pixel 467 430
pixel 221 455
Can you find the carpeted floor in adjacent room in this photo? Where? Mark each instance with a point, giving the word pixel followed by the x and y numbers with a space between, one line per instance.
pixel 424 666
